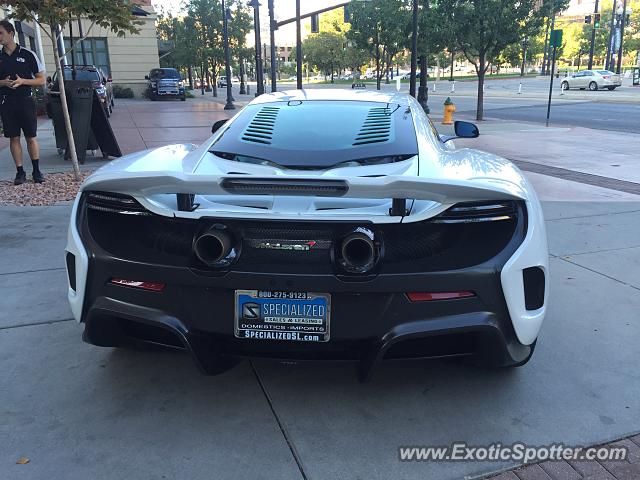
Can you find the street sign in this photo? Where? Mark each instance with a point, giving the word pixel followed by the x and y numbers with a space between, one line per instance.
pixel 555 39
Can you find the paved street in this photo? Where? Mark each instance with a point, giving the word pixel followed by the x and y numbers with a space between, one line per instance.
pixel 79 411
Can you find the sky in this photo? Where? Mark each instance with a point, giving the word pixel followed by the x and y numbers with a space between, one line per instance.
pixel 284 9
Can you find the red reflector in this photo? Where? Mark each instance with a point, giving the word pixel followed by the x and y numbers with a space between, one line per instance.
pixel 428 296
pixel 152 286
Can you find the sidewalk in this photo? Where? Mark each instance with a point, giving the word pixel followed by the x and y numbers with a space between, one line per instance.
pixel 563 163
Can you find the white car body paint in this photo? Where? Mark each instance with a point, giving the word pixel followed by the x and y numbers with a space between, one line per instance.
pixel 433 181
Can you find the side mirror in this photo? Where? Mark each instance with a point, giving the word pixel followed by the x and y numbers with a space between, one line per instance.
pixel 109 79
pixel 217 125
pixel 146 77
pixel 465 129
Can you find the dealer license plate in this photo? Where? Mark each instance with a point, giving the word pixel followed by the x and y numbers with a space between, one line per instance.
pixel 297 316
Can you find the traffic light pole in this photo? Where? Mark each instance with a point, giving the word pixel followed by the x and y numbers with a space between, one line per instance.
pixel 593 38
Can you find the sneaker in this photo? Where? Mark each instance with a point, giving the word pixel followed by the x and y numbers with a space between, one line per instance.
pixel 21 177
pixel 38 177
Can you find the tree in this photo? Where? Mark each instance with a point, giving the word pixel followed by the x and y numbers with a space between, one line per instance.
pixel 324 51
pixel 112 14
pixel 380 26
pixel 484 28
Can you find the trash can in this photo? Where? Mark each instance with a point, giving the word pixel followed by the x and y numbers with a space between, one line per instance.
pixel 636 76
pixel 80 102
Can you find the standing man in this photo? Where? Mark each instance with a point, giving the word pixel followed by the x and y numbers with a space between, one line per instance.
pixel 20 69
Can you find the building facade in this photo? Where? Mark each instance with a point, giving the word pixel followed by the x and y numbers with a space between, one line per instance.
pixel 125 59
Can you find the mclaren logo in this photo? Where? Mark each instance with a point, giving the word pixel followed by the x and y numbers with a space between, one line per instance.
pixel 300 246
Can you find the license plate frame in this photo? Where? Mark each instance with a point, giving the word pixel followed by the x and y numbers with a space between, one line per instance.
pixel 285 316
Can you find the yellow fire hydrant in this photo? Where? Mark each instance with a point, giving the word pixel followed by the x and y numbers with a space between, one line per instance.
pixel 449 108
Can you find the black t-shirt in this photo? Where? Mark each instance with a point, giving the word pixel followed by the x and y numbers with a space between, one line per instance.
pixel 22 62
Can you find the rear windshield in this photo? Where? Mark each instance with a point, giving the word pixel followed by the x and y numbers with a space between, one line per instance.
pixel 168 73
pixel 605 72
pixel 317 133
pixel 85 75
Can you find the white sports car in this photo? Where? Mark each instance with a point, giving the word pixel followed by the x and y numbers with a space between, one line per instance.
pixel 313 225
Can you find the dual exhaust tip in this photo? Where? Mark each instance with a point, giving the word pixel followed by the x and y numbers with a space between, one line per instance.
pixel 357 252
pixel 215 247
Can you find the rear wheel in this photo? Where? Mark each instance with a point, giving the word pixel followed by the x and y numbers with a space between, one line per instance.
pixel 564 85
pixel 593 86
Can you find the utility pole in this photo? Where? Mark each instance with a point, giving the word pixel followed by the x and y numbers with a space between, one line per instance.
pixel 593 39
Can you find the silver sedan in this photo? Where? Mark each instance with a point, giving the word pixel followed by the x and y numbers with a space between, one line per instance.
pixel 592 79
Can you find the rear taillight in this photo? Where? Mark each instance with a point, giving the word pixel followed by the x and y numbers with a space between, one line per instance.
pixel 150 286
pixel 430 296
pixel 606 77
pixel 114 203
pixel 470 212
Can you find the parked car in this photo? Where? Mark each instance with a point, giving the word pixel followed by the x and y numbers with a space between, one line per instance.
pixel 165 82
pixel 102 84
pixel 593 80
pixel 323 225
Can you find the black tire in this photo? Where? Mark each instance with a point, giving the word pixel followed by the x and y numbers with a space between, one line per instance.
pixel 152 97
pixel 105 156
pixel 183 98
pixel 106 111
pixel 593 86
pixel 564 85
pixel 113 104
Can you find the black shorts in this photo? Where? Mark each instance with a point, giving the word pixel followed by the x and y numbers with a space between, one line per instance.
pixel 18 113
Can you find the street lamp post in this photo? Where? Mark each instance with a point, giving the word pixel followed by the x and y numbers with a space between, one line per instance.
pixel 623 15
pixel 298 48
pixel 256 26
pixel 272 38
pixel 525 45
pixel 414 49
pixel 227 57
pixel 609 56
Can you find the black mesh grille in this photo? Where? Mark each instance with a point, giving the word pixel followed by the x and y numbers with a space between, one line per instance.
pixel 376 127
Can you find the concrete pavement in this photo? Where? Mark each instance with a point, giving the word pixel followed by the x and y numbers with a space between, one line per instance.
pixel 78 411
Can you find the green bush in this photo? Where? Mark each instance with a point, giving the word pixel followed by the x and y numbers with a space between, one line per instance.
pixel 188 94
pixel 122 92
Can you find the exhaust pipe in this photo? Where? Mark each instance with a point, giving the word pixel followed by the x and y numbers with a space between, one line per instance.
pixel 214 246
pixel 358 252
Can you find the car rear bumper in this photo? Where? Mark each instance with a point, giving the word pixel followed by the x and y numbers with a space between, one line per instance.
pixel 372 319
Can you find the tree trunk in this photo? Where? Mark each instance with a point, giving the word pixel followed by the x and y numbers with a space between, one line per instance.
pixel 546 53
pixel 190 78
pixel 71 144
pixel 386 69
pixel 480 70
pixel 377 66
pixel 202 79
pixel 453 54
pixel 423 90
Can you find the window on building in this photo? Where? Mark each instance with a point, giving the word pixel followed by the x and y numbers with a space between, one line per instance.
pixel 96 53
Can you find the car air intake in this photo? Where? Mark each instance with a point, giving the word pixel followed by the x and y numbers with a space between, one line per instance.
pixel 534 280
pixel 470 212
pixel 114 203
pixel 258 186
pixel 71 270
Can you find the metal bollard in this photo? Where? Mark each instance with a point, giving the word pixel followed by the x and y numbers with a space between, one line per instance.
pixel 453 86
pixel 520 88
pixel 434 86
